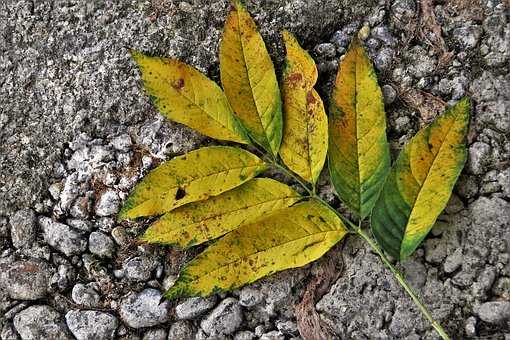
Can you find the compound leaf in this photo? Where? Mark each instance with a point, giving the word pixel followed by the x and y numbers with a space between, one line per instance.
pixel 192 177
pixel 420 182
pixel 305 133
pixel 185 95
pixel 287 238
pixel 249 80
pixel 199 222
pixel 358 156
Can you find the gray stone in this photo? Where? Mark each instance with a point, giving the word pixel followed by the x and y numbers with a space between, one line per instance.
pixel 41 322
pixel 389 94
pixel 23 228
pixel 287 327
pixel 108 203
pixel 144 309
pixel 273 335
pixel 155 334
pixel 403 11
pixel 101 245
pixel 383 34
pixel 384 59
pixel 420 63
pixel 122 142
pixel 244 335
pixel 25 280
pixel 194 307
pixel 325 50
pixel 8 332
pixel 85 296
pixel 502 287
pixel 479 157
pixel 91 324
pixel 494 312
pixel 467 36
pixel 470 326
pixel 453 261
pixel 181 330
pixel 62 237
pixel 435 250
pixel 139 268
pixel 341 39
pixel 225 319
pixel 249 297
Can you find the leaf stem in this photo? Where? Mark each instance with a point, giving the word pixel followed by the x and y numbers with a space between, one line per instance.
pixel 403 283
pixel 292 175
pixel 375 247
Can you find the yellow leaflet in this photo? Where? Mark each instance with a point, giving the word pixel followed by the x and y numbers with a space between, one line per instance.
pixel 192 177
pixel 305 133
pixel 421 182
pixel 358 156
pixel 288 238
pixel 186 96
pixel 249 79
pixel 199 222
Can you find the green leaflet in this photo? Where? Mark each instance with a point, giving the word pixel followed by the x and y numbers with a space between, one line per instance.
pixel 421 182
pixel 358 155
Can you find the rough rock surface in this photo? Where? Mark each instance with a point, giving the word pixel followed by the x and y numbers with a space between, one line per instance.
pixel 90 324
pixel 77 132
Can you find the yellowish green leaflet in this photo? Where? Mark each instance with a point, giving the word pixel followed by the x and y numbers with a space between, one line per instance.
pixel 287 238
pixel 249 80
pixel 421 182
pixel 358 156
pixel 305 133
pixel 192 177
pixel 186 96
pixel 199 222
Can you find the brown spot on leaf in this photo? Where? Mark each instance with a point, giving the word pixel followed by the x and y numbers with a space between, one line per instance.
pixel 179 84
pixel 294 78
pixel 310 99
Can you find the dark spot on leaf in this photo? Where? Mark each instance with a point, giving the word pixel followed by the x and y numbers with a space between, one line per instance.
pixel 310 99
pixel 294 78
pixel 180 194
pixel 179 84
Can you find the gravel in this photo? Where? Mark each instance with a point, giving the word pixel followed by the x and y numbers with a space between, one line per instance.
pixel 25 280
pixel 181 330
pixel 225 319
pixel 144 309
pixel 101 244
pixel 194 307
pixel 85 295
pixel 23 228
pixel 62 237
pixel 108 203
pixel 494 312
pixel 41 322
pixel 90 324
